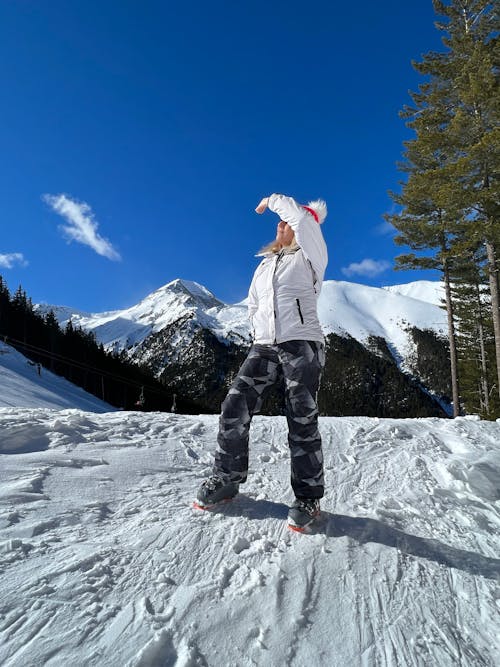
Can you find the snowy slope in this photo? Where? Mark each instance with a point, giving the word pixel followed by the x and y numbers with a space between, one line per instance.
pixel 22 386
pixel 344 307
pixel 103 561
pixel 424 290
pixel 361 311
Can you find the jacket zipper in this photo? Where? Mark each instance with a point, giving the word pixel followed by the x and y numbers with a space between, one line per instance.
pixel 300 311
pixel 278 259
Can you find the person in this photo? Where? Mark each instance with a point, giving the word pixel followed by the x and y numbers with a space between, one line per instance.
pixel 287 343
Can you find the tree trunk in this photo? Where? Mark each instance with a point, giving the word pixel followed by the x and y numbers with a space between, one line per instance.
pixel 452 342
pixel 485 400
pixel 495 304
pixel 481 338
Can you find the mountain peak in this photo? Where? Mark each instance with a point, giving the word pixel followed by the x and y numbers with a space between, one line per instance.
pixel 423 290
pixel 194 290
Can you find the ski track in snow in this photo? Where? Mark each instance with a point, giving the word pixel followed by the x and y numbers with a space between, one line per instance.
pixel 103 560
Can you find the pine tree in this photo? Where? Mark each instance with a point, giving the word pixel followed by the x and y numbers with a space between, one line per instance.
pixel 4 307
pixel 451 192
pixel 21 309
pixel 427 220
pixel 475 340
pixel 53 336
pixel 472 27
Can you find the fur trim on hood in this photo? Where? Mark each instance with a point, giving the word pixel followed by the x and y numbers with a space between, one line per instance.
pixel 319 207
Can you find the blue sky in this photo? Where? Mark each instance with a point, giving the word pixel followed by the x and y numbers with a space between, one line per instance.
pixel 158 126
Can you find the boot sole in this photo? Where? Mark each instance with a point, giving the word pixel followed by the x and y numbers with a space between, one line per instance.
pixel 305 528
pixel 298 529
pixel 198 506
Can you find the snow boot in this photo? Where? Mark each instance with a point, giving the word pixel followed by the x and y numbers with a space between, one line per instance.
pixel 302 513
pixel 215 490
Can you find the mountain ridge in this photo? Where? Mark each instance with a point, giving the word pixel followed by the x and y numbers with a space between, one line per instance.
pixel 180 297
pixel 375 339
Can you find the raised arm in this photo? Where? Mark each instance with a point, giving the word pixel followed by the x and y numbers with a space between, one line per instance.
pixel 307 230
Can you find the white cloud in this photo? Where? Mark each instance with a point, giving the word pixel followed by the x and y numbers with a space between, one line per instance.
pixel 82 226
pixel 385 228
pixel 367 267
pixel 8 260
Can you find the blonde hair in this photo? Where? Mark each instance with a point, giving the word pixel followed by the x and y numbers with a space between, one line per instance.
pixel 274 247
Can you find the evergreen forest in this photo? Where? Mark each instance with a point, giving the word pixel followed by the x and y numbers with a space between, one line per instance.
pixel 449 201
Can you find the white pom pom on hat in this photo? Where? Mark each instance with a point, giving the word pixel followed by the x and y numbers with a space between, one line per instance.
pixel 319 207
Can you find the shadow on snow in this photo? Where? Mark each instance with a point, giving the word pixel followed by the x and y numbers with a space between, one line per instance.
pixel 364 530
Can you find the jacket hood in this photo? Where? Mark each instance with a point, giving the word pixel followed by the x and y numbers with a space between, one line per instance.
pixel 320 208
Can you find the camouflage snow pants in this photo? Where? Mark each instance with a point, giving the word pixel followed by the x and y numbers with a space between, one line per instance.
pixel 300 363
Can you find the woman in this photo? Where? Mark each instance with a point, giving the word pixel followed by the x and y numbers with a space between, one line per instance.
pixel 288 343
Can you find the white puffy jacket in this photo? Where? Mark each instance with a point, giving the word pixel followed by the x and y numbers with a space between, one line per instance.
pixel 283 296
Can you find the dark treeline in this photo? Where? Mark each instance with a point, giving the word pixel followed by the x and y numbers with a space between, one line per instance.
pixel 75 355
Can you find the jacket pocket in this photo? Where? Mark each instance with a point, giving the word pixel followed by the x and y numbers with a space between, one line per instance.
pixel 297 301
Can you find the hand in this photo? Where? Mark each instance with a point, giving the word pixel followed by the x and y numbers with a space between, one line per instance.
pixel 262 206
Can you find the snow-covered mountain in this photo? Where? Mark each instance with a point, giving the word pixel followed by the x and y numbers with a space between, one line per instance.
pixel 25 384
pixel 344 308
pixel 193 341
pixel 103 560
pixel 361 312
pixel 423 290
pixel 123 329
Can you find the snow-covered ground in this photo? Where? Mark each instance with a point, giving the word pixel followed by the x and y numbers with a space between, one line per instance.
pixel 103 560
